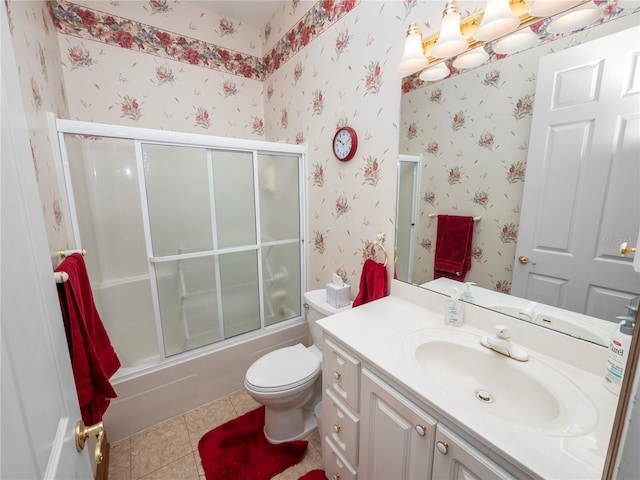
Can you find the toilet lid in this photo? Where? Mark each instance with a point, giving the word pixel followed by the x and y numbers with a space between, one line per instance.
pixel 283 368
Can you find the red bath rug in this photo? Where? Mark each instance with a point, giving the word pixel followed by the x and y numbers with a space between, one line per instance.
pixel 314 475
pixel 238 450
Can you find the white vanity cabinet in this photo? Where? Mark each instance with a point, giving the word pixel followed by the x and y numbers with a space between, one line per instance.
pixel 455 459
pixel 397 436
pixel 340 406
pixel 372 431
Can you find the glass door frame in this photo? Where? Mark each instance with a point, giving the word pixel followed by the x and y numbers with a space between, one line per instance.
pixel 142 136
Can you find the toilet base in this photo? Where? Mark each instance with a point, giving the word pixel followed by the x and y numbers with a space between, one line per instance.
pixel 289 425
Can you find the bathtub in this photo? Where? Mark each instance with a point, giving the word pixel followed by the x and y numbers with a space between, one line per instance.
pixel 150 392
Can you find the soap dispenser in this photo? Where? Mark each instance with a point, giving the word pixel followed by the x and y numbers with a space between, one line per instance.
pixel 618 353
pixel 454 310
pixel 466 295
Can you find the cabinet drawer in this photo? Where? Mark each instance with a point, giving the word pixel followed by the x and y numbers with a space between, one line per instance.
pixel 335 466
pixel 342 426
pixel 342 374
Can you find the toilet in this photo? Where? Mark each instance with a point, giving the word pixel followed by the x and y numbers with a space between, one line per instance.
pixel 287 381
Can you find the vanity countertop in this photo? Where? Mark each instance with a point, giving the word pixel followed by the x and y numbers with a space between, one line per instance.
pixel 378 331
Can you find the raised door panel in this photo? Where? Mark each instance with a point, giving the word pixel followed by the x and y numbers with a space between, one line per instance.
pixel 581 200
pixel 397 437
pixel 455 459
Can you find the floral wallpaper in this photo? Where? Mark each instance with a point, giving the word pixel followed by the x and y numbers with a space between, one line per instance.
pixel 35 43
pixel 311 68
pixel 472 131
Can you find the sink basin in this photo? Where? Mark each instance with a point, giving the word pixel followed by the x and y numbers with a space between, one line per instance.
pixel 530 395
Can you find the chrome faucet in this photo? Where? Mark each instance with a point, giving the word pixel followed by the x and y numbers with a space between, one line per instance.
pixel 501 344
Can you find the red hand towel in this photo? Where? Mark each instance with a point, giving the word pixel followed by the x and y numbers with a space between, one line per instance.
pixel 453 247
pixel 93 358
pixel 373 282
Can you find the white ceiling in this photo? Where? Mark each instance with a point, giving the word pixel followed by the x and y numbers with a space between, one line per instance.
pixel 251 12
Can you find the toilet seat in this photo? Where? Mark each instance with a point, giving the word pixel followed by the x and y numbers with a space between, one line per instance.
pixel 283 369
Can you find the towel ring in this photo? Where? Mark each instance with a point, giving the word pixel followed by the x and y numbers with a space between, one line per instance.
pixel 379 244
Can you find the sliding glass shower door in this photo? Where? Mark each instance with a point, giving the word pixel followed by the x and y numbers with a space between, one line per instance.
pixel 204 249
pixel 213 232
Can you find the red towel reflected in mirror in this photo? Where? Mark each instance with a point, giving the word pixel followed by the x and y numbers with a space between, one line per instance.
pixel 453 247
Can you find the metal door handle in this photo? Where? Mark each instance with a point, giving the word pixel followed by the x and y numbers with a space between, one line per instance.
pixel 524 260
pixel 625 249
pixel 82 433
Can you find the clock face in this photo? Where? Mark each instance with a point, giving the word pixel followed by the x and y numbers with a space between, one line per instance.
pixel 345 143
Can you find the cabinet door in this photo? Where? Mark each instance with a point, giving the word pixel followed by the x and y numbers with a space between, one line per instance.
pixel 455 459
pixel 397 437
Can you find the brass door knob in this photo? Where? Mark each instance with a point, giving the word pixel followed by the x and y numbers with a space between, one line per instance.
pixel 524 260
pixel 83 432
pixel 625 249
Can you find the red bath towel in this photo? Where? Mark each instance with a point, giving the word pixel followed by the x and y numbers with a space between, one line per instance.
pixel 373 282
pixel 93 358
pixel 453 247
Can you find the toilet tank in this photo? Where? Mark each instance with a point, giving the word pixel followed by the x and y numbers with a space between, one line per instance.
pixel 319 308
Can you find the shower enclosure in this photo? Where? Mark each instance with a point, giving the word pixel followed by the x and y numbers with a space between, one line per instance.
pixel 191 240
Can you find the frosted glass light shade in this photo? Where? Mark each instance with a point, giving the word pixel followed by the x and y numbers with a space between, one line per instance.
pixel 450 42
pixel 547 8
pixel 498 20
pixel 576 19
pixel 471 59
pixel 515 42
pixel 413 59
pixel 437 72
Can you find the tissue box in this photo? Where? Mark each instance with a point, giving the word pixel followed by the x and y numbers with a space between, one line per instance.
pixel 338 297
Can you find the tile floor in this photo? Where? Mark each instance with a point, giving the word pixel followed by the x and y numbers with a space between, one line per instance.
pixel 169 451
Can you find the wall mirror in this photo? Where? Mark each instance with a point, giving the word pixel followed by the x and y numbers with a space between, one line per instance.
pixel 464 149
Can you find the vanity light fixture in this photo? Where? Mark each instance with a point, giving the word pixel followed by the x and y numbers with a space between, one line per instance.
pixel 471 59
pixel 413 59
pixel 576 19
pixel 498 20
pixel 515 43
pixel 547 8
pixel 437 72
pixel 450 41
pixel 502 21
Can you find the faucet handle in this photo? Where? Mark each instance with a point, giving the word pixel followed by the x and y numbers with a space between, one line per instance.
pixel 502 331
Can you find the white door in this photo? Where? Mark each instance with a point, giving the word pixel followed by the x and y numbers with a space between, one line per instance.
pixel 39 402
pixel 581 198
pixel 396 438
pixel 406 211
pixel 455 459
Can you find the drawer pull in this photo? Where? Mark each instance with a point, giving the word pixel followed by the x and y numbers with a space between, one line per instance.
pixel 337 375
pixel 421 430
pixel 443 447
pixel 336 476
pixel 337 427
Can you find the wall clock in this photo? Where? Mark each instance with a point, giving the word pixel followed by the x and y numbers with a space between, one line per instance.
pixel 345 143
